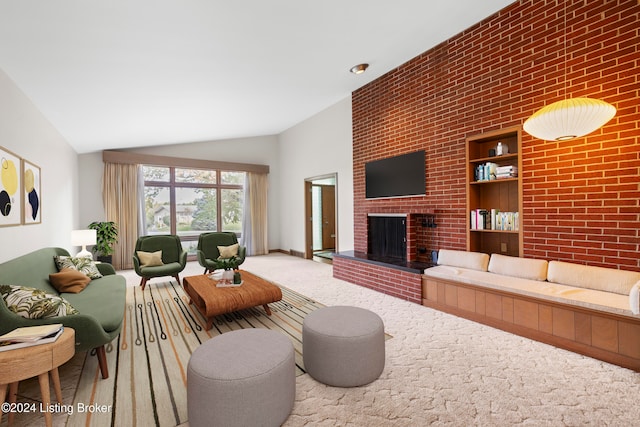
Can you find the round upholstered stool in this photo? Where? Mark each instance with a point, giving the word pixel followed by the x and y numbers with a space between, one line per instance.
pixel 343 346
pixel 242 378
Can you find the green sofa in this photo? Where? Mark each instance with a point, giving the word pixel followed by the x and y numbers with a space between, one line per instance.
pixel 101 304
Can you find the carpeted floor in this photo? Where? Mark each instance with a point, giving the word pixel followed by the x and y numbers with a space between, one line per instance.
pixel 148 363
pixel 440 369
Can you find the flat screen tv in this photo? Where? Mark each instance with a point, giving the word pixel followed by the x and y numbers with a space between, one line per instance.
pixel 399 176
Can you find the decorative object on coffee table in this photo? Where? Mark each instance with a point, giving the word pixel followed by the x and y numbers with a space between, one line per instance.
pixel 230 270
pixel 211 300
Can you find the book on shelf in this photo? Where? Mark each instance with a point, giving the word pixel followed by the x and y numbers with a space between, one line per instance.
pixel 506 172
pixel 508 221
pixel 493 219
pixel 30 336
pixel 480 219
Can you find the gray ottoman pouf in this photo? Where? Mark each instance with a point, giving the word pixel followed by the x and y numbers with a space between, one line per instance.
pixel 343 346
pixel 242 378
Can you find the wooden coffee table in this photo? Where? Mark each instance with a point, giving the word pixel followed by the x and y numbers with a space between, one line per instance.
pixel 212 301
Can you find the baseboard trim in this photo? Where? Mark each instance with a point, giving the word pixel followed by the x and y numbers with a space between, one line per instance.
pixel 281 251
pixel 296 253
pixel 289 252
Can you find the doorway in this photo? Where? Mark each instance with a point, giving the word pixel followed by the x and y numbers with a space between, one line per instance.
pixel 321 204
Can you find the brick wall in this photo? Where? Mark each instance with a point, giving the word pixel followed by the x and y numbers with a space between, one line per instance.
pixel 398 283
pixel 581 197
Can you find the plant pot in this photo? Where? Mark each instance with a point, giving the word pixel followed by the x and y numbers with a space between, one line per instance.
pixel 105 258
pixel 227 276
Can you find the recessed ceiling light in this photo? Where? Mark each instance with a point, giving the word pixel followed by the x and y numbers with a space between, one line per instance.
pixel 359 69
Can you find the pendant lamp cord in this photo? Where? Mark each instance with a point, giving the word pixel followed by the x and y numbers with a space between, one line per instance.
pixel 564 42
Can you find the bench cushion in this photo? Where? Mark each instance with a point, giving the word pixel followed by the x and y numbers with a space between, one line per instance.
pixel 634 298
pixel 526 268
pixel 586 276
pixel 464 259
pixel 581 297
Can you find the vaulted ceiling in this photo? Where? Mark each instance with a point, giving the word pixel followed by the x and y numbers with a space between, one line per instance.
pixel 126 73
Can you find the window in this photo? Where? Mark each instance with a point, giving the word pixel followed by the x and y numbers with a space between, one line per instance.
pixel 187 202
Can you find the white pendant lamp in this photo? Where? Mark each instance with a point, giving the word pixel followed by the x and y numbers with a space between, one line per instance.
pixel 569 119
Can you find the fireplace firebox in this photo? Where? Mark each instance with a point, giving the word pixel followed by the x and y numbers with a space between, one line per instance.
pixel 387 236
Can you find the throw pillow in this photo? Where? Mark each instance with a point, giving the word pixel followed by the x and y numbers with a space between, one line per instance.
pixel 83 264
pixel 150 259
pixel 32 303
pixel 69 280
pixel 228 251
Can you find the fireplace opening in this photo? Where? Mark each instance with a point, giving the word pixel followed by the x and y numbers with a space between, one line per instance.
pixel 388 236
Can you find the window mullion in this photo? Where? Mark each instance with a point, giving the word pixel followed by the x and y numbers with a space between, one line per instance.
pixel 172 199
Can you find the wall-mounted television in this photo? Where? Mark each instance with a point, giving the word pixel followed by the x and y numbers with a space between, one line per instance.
pixel 399 176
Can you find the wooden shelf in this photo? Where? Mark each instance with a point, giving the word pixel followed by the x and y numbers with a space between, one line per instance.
pixel 496 159
pixel 494 181
pixel 494 231
pixel 504 194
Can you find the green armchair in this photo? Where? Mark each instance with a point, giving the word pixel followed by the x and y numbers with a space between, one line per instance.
pixel 208 251
pixel 173 261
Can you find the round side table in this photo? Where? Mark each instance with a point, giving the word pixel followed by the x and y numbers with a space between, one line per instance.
pixel 38 360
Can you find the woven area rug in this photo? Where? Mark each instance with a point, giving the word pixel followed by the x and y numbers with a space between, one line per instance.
pixel 148 362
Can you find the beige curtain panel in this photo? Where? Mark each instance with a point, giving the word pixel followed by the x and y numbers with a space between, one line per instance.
pixel 254 224
pixel 120 197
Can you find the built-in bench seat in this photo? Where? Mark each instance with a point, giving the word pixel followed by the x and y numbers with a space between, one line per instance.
pixel 586 309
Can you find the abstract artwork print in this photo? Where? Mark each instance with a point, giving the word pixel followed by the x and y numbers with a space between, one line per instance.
pixel 9 188
pixel 32 193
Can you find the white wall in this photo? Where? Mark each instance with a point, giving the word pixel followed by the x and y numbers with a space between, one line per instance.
pixel 28 134
pixel 72 183
pixel 90 168
pixel 258 150
pixel 318 146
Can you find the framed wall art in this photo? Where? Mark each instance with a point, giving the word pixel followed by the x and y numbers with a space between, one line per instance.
pixel 10 185
pixel 32 193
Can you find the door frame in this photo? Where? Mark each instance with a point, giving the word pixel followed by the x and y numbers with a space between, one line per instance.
pixel 308 212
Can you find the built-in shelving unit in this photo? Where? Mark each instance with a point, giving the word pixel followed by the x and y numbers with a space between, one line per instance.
pixel 495 196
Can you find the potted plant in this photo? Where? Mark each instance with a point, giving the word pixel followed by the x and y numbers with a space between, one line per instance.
pixel 228 265
pixel 106 237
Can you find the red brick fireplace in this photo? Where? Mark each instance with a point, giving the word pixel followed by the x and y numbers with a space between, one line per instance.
pixel 581 198
pixel 394 275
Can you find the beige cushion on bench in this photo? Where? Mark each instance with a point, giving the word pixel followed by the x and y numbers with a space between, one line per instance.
pixel 586 276
pixel 526 268
pixel 472 260
pixel 634 298
pixel 607 302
